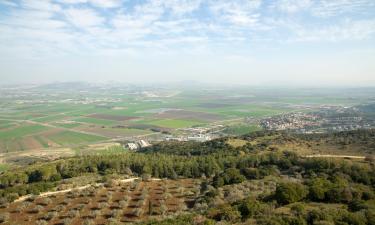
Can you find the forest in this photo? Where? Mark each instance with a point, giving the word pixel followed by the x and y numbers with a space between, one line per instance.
pixel 294 183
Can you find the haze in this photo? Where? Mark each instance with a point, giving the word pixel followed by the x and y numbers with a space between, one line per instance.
pixel 326 42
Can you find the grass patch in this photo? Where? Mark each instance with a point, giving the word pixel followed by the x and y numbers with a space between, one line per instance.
pixel 4 167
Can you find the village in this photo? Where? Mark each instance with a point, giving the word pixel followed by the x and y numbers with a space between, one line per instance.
pixel 328 119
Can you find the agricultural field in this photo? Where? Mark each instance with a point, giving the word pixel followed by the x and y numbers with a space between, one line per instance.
pixel 173 123
pixel 64 138
pixel 73 116
pixel 30 136
pixel 116 201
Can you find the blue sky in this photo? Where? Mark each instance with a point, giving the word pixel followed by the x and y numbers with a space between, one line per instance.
pixel 313 42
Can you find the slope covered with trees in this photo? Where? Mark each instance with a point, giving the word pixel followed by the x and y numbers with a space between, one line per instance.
pixel 252 184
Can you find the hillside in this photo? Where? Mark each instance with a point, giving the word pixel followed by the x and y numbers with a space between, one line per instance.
pixel 258 178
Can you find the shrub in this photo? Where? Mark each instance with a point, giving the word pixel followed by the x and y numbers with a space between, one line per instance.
pixel 298 208
pixel 36 209
pixel 67 221
pixel 287 193
pixel 229 176
pixel 224 212
pixel 88 222
pixel 73 213
pixel 50 215
pixel 318 188
pixel 137 212
pixel 4 217
pixel 251 173
pixel 41 222
pixel 123 203
pixel 45 201
pixel 249 208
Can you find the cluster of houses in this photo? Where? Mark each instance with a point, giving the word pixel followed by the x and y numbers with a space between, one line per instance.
pixel 291 121
pixel 197 138
pixel 325 120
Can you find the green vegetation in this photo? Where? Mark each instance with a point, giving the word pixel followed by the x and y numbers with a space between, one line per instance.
pixel 4 167
pixel 95 121
pixel 21 131
pixel 67 125
pixel 71 138
pixel 241 129
pixel 239 184
pixel 172 123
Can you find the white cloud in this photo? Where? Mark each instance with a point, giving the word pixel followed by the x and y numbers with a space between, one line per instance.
pixel 241 12
pixel 347 31
pixel 292 6
pixel 181 7
pixel 97 3
pixel 106 3
pixel 83 17
pixel 328 8
pixel 8 3
pixel 42 5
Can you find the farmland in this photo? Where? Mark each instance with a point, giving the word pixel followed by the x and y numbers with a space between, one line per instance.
pixel 121 201
pixel 173 123
pixel 65 116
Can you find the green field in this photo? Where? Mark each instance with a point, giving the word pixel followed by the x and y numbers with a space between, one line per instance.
pixel 129 131
pixel 71 138
pixel 7 125
pixel 173 123
pixel 95 121
pixel 67 125
pixel 50 118
pixel 22 131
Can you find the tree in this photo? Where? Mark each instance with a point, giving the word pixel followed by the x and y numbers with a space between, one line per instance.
pixel 224 212
pixel 287 193
pixel 318 188
pixel 249 208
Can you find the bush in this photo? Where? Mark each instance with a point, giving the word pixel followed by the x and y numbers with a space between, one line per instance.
pixel 229 176
pixel 318 188
pixel 287 193
pixel 224 212
pixel 4 217
pixel 249 208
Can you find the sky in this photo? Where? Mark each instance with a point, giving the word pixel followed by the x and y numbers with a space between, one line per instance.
pixel 254 42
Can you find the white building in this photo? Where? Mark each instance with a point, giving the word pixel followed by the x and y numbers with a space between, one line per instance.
pixel 199 138
pixel 144 143
pixel 132 146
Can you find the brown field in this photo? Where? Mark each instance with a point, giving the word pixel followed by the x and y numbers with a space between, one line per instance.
pixel 31 143
pixel 188 115
pixel 24 157
pixel 114 201
pixel 112 117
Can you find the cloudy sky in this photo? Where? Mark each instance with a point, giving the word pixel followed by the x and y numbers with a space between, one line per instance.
pixel 313 42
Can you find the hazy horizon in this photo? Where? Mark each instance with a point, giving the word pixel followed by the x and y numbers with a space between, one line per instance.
pixel 246 42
